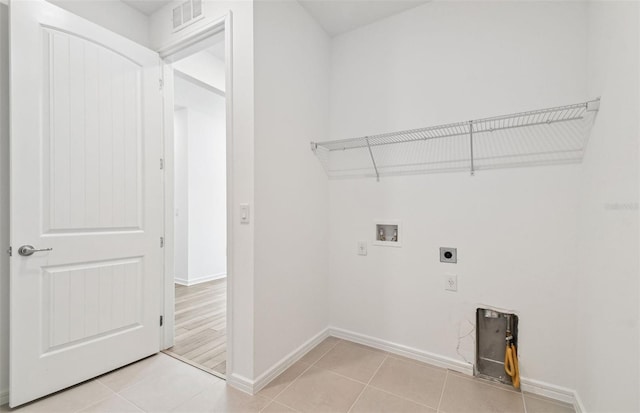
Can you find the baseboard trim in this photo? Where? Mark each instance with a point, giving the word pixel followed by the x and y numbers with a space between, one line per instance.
pixel 4 397
pixel 286 362
pixel 551 391
pixel 240 383
pixel 402 350
pixel 537 387
pixel 199 280
pixel 577 404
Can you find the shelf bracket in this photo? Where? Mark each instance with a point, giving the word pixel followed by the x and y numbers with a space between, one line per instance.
pixel 375 167
pixel 593 105
pixel 471 146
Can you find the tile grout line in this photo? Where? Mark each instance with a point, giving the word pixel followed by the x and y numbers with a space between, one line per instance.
pixel 486 382
pixel 128 386
pixel 176 406
pixel 524 404
pixel 416 361
pixel 341 375
pixel 374 387
pixel 130 402
pixel 273 400
pixel 298 376
pixel 444 385
pixel 549 400
pixel 92 404
pixel 276 403
pixel 326 352
pixel 399 396
pixel 386 356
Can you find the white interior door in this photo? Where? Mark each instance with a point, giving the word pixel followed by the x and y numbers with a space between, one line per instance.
pixel 86 183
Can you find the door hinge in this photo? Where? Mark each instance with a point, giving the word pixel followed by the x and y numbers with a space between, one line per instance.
pixel 161 163
pixel 161 242
pixel 10 251
pixel 160 84
pixel 161 320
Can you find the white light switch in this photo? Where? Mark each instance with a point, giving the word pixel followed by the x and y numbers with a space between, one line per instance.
pixel 362 247
pixel 244 213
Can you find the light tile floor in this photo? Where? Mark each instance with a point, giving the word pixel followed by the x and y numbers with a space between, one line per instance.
pixel 336 376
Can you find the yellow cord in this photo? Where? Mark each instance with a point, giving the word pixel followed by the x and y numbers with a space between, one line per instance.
pixel 511 365
pixel 516 378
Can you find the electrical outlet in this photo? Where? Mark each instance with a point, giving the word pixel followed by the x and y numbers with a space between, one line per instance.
pixel 451 282
pixel 362 247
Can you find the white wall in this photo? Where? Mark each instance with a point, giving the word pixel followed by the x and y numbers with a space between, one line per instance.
pixel 291 211
pixel 207 197
pixel 515 230
pixel 4 201
pixel 113 15
pixel 200 141
pixel 204 67
pixel 240 366
pixel 181 194
pixel 607 345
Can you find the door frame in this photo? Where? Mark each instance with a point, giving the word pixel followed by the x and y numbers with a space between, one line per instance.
pixel 214 27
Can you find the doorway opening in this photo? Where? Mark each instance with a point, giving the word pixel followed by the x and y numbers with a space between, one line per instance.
pixel 200 205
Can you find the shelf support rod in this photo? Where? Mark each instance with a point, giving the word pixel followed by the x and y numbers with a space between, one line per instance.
pixel 375 167
pixel 471 146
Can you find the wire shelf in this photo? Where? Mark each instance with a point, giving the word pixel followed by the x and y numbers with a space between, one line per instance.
pixel 541 137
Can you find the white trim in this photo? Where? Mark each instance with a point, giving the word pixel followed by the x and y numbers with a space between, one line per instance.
pixel 240 383
pixel 4 394
pixel 228 60
pixel 537 387
pixel 561 394
pixel 199 280
pixel 286 362
pixel 577 404
pixel 222 24
pixel 254 386
pixel 402 350
pixel 167 333
pixel 205 31
pixel 551 391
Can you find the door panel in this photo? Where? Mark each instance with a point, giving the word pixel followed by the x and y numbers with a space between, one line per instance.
pixel 83 301
pixel 92 137
pixel 85 181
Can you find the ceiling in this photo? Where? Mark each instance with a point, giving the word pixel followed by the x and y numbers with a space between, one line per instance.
pixel 217 50
pixel 340 16
pixel 335 16
pixel 147 7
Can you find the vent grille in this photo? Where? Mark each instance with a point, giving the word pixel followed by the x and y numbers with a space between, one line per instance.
pixel 197 8
pixel 186 13
pixel 177 17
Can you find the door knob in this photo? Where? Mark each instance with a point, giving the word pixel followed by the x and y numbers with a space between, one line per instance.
pixel 27 250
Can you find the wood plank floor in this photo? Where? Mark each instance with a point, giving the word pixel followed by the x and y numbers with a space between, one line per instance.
pixel 200 323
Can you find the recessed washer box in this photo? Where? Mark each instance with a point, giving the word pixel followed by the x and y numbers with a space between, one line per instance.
pixel 449 254
pixel 388 233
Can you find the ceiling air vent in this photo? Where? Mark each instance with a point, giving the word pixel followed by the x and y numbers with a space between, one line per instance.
pixel 196 8
pixel 186 13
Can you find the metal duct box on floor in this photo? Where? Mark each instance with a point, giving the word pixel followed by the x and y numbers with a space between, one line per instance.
pixel 492 330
